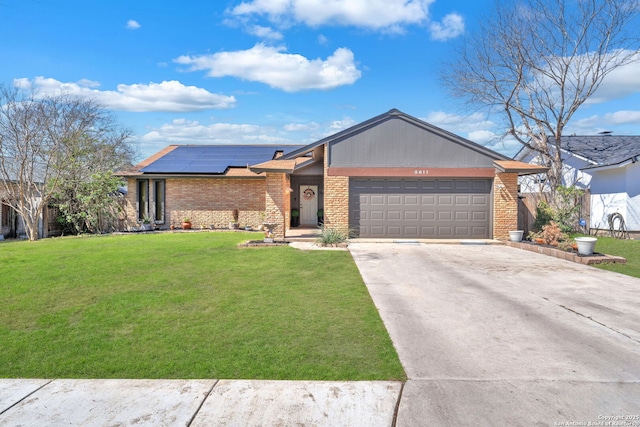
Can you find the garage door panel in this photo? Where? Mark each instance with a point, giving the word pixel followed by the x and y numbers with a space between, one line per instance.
pixel 411 199
pixel 410 232
pixel 478 232
pixel 465 231
pixel 428 215
pixel 394 215
pixel 445 200
pixel 411 215
pixel 445 232
pixel 377 215
pixel 445 185
pixel 479 216
pixel 394 199
pixel 421 208
pixel 445 216
pixel 480 201
pixel 394 230
pixel 427 231
pixel 376 199
pixel 462 216
pixel 427 185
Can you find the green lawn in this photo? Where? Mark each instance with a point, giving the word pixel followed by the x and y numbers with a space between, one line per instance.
pixel 629 249
pixel 186 305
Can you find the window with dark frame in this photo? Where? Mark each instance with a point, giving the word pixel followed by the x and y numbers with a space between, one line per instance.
pixel 158 198
pixel 143 199
pixel 6 215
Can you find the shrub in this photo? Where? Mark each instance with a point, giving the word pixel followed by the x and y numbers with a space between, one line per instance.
pixel 544 215
pixel 552 234
pixel 566 210
pixel 331 236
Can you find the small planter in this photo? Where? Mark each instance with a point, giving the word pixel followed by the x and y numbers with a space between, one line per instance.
pixel 586 245
pixel 516 235
pixel 186 225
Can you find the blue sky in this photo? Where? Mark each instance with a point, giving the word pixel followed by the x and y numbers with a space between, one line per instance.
pixel 264 71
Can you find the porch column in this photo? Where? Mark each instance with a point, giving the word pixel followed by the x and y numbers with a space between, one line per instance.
pixel 505 204
pixel 336 198
pixel 278 202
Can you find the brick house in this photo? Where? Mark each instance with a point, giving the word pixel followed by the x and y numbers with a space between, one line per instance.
pixel 391 176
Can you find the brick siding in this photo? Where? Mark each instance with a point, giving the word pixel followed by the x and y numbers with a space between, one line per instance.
pixel 336 198
pixel 205 201
pixel 278 202
pixel 505 204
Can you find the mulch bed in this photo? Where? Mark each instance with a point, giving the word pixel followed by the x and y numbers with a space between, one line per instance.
pixel 262 244
pixel 572 255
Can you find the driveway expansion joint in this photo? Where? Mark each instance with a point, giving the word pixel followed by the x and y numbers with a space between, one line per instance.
pixel 195 414
pixel 26 397
pixel 599 323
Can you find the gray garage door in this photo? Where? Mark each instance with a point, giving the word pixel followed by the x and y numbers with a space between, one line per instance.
pixel 421 208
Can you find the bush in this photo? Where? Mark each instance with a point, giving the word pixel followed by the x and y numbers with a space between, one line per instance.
pixel 567 208
pixel 331 236
pixel 544 215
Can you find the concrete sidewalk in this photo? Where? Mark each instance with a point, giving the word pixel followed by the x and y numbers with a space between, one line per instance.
pixel 32 402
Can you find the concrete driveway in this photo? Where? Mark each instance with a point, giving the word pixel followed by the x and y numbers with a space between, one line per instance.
pixel 491 335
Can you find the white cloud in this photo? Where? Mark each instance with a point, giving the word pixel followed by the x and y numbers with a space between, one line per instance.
pixel 598 123
pixel 340 125
pixel 265 32
pixel 475 127
pixel 193 132
pixel 170 96
pixel 460 124
pixel 452 26
pixel 389 15
pixel 620 83
pixel 301 127
pixel 133 25
pixel 272 66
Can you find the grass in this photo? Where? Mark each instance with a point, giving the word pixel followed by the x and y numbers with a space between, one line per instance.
pixel 629 249
pixel 186 305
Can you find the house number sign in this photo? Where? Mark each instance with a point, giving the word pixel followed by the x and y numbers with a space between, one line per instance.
pixel 308 194
pixel 421 172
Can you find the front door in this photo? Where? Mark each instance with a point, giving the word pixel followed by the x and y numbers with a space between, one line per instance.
pixel 309 205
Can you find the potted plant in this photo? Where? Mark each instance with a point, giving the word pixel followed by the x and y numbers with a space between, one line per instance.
pixel 516 235
pixel 235 215
pixel 186 224
pixel 586 245
pixel 146 224
pixel 295 217
pixel 320 216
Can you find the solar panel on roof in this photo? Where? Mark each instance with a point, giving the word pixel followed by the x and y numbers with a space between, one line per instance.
pixel 213 158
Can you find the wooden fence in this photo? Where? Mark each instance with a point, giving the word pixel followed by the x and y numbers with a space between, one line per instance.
pixel 527 203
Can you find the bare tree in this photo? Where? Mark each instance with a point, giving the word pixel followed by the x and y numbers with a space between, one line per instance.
pixel 535 62
pixel 41 139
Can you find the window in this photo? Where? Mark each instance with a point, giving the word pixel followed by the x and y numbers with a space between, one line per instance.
pixel 143 199
pixel 158 197
pixel 5 215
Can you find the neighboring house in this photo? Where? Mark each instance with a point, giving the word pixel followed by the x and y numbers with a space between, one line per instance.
pixel 391 176
pixel 11 223
pixel 607 165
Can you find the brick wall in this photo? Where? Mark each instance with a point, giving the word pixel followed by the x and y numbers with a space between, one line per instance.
pixel 336 198
pixel 505 204
pixel 278 202
pixel 205 201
